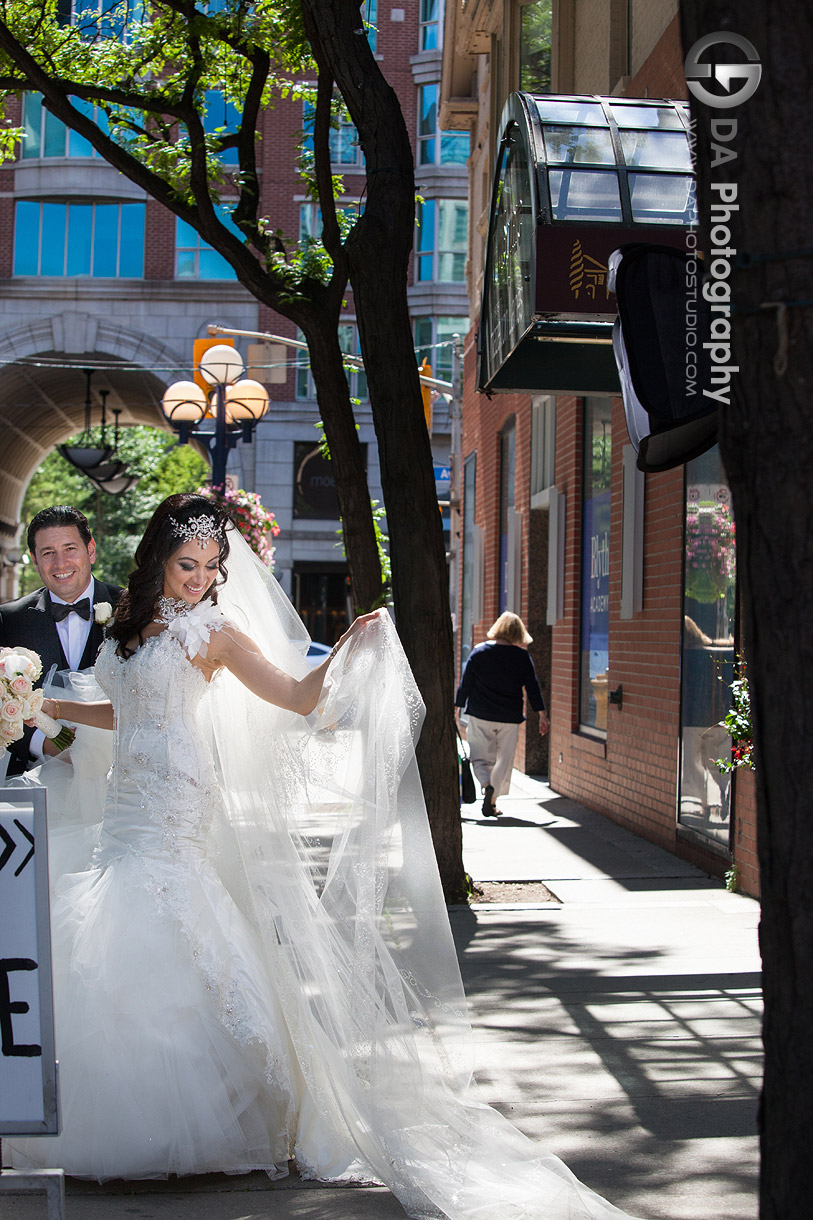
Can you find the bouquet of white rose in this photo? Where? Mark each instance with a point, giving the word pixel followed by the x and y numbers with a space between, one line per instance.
pixel 19 670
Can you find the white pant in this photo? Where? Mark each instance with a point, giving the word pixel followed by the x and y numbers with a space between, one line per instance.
pixel 492 745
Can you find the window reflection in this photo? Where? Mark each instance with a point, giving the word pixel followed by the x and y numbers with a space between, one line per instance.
pixel 584 194
pixel 709 605
pixel 595 582
pixel 663 198
pixel 93 239
pixel 575 144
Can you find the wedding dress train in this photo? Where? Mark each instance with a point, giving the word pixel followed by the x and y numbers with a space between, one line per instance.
pixel 256 963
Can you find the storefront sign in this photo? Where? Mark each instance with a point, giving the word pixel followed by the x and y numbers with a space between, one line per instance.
pixel 27 1062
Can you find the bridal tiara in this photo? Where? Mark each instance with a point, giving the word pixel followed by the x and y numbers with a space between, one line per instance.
pixel 200 528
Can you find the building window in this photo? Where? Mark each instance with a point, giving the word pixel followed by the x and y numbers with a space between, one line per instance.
pixel 96 19
pixel 222 117
pixel 79 239
pixel 310 220
pixel 431 26
pixel 708 653
pixel 433 342
pixel 437 147
pixel 543 444
pixel 345 149
pixel 356 378
pixel 370 17
pixel 195 259
pixel 594 634
pixel 534 47
pixel 44 135
pixel 442 240
pixel 508 450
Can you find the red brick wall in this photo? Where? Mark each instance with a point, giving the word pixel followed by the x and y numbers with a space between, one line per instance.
pixel 662 73
pixel 632 776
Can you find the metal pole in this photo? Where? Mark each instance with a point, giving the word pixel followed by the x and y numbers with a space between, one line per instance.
pixel 220 449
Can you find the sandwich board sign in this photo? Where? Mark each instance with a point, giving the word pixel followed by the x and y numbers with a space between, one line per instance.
pixel 28 1097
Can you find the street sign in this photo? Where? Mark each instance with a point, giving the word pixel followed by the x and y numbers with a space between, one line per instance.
pixel 28 1101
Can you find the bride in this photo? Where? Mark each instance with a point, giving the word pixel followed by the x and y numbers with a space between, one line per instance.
pixel 256 963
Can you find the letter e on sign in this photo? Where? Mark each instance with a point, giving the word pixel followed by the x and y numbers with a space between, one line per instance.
pixel 28 1101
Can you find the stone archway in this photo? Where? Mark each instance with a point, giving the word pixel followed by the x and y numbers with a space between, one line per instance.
pixel 42 397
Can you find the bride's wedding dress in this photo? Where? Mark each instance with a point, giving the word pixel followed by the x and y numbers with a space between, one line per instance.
pixel 256 964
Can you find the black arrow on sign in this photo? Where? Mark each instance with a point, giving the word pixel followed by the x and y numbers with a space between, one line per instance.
pixel 8 850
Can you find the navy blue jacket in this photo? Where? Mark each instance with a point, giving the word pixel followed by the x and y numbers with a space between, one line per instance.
pixel 493 680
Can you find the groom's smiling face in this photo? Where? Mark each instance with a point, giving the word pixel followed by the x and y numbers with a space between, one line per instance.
pixel 63 560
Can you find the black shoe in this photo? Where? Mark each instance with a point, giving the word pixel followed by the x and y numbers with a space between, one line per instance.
pixel 489 808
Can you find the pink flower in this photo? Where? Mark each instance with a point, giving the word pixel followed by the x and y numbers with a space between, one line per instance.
pixel 21 685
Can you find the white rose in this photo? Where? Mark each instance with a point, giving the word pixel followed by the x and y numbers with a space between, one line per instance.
pixel 102 612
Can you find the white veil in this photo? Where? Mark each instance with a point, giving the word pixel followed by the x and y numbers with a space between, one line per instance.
pixel 327 850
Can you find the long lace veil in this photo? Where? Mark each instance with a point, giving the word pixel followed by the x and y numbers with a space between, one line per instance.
pixel 326 848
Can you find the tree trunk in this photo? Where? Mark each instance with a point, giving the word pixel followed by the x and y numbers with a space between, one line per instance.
pixel 767 446
pixel 349 472
pixel 378 252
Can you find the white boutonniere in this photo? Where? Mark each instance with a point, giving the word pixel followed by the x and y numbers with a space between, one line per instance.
pixel 102 613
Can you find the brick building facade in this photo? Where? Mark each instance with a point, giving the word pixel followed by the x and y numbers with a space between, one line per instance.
pixel 635 706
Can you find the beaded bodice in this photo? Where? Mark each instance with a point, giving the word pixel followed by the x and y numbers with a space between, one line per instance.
pixel 161 750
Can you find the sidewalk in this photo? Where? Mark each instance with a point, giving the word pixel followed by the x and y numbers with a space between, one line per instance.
pixel 618 1025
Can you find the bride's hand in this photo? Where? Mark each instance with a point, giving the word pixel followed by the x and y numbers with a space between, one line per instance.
pixel 357 625
pixel 50 707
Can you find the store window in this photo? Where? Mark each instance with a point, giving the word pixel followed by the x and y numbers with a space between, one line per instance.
pixel 508 453
pixel 195 259
pixel 594 631
pixel 323 599
pixel 437 147
pixel 442 240
pixel 102 240
pixel 708 653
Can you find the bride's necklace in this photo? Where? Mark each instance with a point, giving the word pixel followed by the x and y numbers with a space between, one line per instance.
pixel 169 608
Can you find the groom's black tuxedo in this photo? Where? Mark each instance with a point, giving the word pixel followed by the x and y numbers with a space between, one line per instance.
pixel 28 623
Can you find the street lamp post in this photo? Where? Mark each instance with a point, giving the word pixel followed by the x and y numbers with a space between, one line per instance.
pixel 236 406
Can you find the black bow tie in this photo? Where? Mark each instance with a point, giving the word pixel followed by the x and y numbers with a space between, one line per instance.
pixel 59 610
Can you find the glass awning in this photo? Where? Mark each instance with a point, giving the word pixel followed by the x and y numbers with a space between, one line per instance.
pixel 575 178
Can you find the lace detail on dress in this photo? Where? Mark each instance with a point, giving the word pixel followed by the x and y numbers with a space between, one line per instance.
pixel 161 753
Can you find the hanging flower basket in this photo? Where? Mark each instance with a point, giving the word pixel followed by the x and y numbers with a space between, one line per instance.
pixel 256 523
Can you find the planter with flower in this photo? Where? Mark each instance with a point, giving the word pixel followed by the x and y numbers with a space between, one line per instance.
pixel 737 724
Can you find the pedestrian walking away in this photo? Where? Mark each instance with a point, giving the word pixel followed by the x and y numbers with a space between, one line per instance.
pixel 491 693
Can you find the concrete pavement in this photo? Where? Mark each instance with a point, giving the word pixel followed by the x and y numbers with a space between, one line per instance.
pixel 618 1025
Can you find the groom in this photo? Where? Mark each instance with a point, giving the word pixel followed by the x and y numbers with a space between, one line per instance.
pixel 62 621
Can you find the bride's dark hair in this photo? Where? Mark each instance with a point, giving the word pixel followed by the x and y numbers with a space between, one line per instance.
pixel 161 539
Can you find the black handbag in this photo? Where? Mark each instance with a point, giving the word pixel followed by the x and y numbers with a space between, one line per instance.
pixel 468 792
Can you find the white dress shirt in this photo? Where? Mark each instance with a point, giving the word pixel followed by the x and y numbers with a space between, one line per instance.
pixel 73 634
